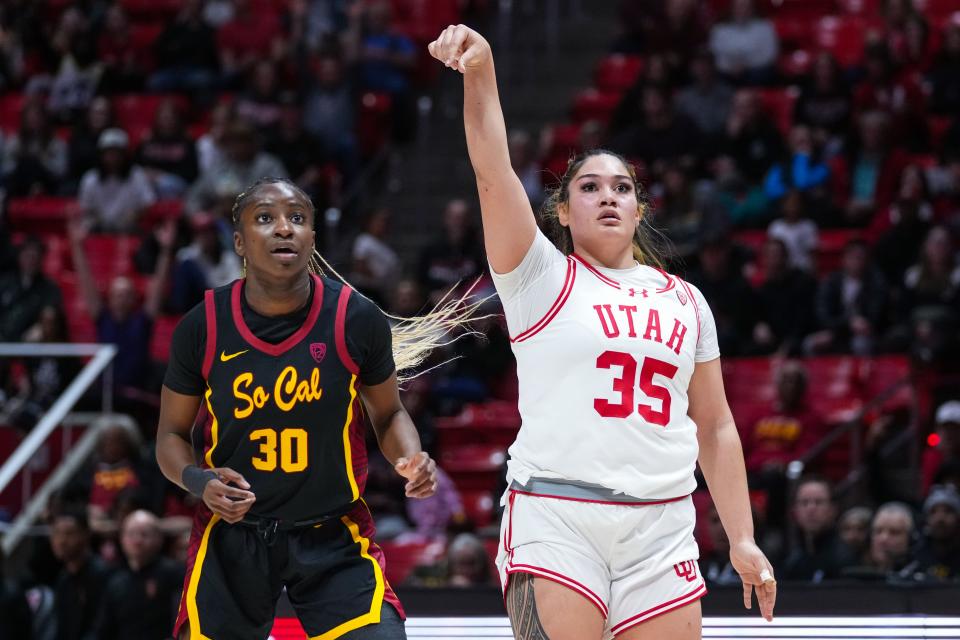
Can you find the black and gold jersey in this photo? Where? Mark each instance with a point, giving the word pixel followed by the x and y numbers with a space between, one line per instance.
pixel 286 413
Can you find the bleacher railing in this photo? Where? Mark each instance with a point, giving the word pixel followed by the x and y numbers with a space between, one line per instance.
pixel 100 363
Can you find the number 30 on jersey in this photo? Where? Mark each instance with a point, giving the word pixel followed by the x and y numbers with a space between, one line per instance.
pixel 293 449
pixel 624 385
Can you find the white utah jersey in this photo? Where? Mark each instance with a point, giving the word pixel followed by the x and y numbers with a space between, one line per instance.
pixel 604 360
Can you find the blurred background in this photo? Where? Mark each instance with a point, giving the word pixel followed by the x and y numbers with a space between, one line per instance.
pixel 801 157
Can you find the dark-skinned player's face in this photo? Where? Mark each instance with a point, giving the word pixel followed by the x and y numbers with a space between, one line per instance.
pixel 275 231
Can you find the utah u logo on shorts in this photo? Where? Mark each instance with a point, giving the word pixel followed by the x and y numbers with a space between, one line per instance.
pixel 686 570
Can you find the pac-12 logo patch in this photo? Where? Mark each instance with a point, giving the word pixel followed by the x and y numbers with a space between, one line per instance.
pixel 681 296
pixel 318 350
pixel 686 570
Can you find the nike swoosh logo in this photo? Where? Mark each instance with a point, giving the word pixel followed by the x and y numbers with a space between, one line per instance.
pixel 224 357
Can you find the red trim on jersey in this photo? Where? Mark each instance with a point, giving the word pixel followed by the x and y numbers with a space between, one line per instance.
pixel 362 517
pixel 622 504
pixel 286 345
pixel 201 518
pixel 604 279
pixel 557 304
pixel 559 578
pixel 339 332
pixel 211 312
pixel 696 307
pixel 671 281
pixel 358 446
pixel 508 539
pixel 660 609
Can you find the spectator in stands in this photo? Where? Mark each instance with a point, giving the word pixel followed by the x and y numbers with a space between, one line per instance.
pixel 85 136
pixel 16 621
pixel 874 169
pixel 303 156
pixel 526 163
pixel 210 145
pixel 686 212
pixel 825 104
pixel 79 71
pixel 123 70
pixel 785 298
pixel 854 530
pixel 433 517
pixel 252 34
pixel 45 377
pixel 328 113
pixel 34 159
pixel 468 564
pixel 944 75
pixel 797 231
pixel 375 264
pixel 819 554
pixel 115 194
pixel 937 556
pixel 260 102
pixel 801 169
pixel 945 447
pixel 707 100
pixel 752 140
pixel 24 293
pixel 115 470
pixel 935 280
pixel 167 153
pixel 186 54
pixel 715 563
pixel 745 45
pixel 118 319
pixel 908 38
pixel 730 297
pixel 891 534
pixel 141 599
pixel 385 59
pixel 207 262
pixel 850 305
pixel 455 256
pixel 660 136
pixel 899 95
pixel 83 578
pixel 243 163
pixel 900 230
pixel 785 433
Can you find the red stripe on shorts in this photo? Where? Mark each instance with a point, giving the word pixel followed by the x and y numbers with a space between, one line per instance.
pixel 559 578
pixel 660 609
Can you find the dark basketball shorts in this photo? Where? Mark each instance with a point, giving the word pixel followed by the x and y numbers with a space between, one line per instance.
pixel 333 573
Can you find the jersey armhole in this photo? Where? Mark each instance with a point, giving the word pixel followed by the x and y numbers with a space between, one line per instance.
pixel 540 324
pixel 211 348
pixel 696 307
pixel 339 329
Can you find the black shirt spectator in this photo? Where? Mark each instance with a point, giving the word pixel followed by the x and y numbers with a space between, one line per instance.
pixel 819 553
pixel 937 556
pixel 785 299
pixel 455 257
pixel 752 140
pixel 25 292
pixel 80 586
pixel 825 103
pixel 186 53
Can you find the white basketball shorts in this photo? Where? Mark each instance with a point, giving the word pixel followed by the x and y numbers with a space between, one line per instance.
pixel 633 562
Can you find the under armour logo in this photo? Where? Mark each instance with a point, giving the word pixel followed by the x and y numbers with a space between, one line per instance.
pixel 633 292
pixel 686 570
pixel 318 350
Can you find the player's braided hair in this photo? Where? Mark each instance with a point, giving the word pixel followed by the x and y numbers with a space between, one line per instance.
pixel 647 240
pixel 413 338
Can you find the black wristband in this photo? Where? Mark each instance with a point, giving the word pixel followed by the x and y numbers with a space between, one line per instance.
pixel 195 479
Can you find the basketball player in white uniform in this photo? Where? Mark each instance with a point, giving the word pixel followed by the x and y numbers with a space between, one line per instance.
pixel 620 395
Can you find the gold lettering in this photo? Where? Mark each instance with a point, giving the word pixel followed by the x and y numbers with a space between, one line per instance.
pixel 243 380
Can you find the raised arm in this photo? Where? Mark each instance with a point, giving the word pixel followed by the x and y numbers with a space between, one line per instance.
pixel 153 301
pixel 77 231
pixel 509 226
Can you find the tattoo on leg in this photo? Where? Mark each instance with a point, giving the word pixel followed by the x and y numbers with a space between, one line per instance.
pixel 522 607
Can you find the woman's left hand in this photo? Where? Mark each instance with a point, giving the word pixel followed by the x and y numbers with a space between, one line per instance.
pixel 421 474
pixel 756 572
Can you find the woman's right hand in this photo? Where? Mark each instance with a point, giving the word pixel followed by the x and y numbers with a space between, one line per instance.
pixel 461 48
pixel 229 502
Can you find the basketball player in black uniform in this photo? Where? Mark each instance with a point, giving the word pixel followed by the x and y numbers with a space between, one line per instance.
pixel 278 364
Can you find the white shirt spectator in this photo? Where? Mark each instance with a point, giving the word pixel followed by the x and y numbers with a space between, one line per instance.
pixel 738 46
pixel 801 239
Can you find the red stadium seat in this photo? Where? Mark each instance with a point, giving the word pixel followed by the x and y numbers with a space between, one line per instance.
pixel 474 467
pixel 617 73
pixel 478 506
pixel 938 127
pixel 402 559
pixel 778 103
pixel 796 64
pixel 794 33
pixel 151 9
pixel 936 9
pixel 373 122
pixel 79 323
pixel 799 8
pixel 591 104
pixel 844 37
pixel 832 243
pixel 110 256
pixel 160 212
pixel 40 214
pixel 143 36
pixel 10 106
pixel 135 112
pixel 860 7
pixel 162 336
pixel 563 139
